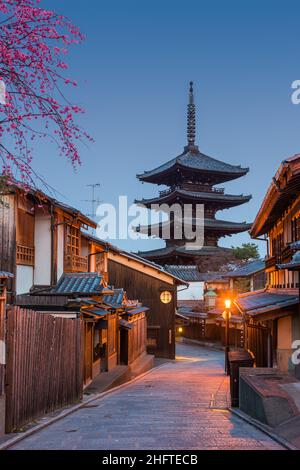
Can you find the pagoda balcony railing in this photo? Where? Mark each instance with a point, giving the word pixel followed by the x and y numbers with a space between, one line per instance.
pixel 192 187
pixel 76 264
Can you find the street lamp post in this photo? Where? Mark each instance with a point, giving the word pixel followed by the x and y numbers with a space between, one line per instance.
pixel 226 315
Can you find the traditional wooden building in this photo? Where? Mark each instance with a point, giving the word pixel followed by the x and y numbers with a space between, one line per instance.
pixel 107 316
pixel 191 179
pixel 151 284
pixel 40 238
pixel 249 277
pixel 60 271
pixel 272 314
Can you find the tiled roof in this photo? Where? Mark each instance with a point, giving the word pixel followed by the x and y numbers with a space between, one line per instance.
pixel 115 300
pixel 98 311
pixel 261 302
pixel 200 196
pixel 189 312
pixel 181 250
pixel 197 161
pixel 78 283
pixel 139 309
pixel 186 273
pixel 293 265
pixel 213 224
pixel 295 245
pixel 248 269
pixel 6 274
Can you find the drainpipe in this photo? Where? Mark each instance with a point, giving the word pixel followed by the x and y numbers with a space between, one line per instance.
pixel 265 239
pixel 53 264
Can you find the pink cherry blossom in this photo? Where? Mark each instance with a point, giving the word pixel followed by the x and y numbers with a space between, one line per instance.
pixel 33 42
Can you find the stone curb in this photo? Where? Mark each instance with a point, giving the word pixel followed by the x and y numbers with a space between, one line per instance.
pixel 9 443
pixel 264 428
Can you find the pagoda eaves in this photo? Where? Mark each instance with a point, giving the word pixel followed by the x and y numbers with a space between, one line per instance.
pixel 213 225
pixel 193 163
pixel 177 194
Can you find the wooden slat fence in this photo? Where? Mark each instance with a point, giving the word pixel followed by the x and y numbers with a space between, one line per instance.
pixel 44 365
pixel 137 337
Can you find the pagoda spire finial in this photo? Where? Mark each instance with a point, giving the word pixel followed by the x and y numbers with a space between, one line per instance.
pixel 191 121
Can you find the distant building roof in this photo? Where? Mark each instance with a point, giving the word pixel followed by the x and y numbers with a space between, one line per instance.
pixel 78 283
pixel 247 269
pixel 182 250
pixel 187 273
pixel 189 312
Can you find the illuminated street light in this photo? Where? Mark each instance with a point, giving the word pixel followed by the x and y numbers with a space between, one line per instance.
pixel 226 315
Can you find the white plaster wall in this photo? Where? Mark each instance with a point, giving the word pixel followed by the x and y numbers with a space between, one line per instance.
pixel 60 250
pixel 24 279
pixel 193 292
pixel 42 242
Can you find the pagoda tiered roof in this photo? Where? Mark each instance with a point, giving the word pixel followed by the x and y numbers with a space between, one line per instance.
pixel 213 225
pixel 183 252
pixel 192 161
pixel 201 197
pixel 191 178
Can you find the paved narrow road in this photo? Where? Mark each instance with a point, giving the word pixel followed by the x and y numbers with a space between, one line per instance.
pixel 181 405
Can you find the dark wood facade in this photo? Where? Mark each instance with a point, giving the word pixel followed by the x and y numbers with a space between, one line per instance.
pixel 8 239
pixel 132 340
pixel 160 317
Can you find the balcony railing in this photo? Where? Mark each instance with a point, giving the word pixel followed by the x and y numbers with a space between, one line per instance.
pixel 192 187
pixel 25 255
pixel 76 264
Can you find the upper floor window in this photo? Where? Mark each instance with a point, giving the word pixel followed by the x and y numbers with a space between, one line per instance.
pixel 72 240
pixel 277 245
pixel 295 229
pixel 25 238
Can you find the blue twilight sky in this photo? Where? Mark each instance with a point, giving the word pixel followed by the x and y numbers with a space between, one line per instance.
pixel 133 72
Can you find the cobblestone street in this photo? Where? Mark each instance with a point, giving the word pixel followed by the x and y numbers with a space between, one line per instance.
pixel 180 405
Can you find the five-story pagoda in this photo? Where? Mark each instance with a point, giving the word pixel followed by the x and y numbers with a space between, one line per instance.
pixel 191 178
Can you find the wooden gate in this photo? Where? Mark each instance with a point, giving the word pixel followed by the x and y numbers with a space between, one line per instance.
pixel 257 341
pixel 44 365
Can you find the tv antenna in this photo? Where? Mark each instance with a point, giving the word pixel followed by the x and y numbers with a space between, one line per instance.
pixel 93 201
